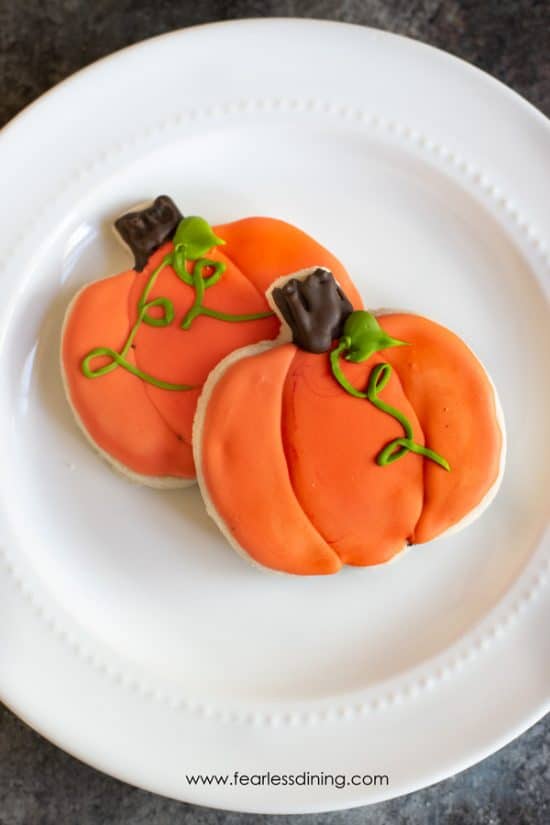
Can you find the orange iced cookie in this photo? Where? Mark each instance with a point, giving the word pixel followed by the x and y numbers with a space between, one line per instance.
pixel 137 347
pixel 349 439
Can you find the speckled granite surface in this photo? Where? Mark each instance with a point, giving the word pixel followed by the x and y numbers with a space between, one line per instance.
pixel 41 42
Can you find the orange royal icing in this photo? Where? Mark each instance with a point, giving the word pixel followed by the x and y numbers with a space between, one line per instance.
pixel 242 430
pixel 148 429
pixel 455 404
pixel 364 512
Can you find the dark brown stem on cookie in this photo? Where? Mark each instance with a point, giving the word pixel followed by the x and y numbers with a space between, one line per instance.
pixel 315 310
pixel 147 229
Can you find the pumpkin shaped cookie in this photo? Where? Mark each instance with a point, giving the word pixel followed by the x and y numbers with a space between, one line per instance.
pixel 138 346
pixel 348 438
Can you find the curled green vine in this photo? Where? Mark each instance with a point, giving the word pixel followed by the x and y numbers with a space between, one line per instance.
pixel 118 359
pixel 373 339
pixel 378 378
pixel 193 239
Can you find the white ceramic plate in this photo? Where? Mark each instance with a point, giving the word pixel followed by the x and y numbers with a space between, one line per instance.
pixel 130 633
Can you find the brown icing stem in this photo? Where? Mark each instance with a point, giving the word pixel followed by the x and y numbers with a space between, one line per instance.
pixel 315 310
pixel 147 229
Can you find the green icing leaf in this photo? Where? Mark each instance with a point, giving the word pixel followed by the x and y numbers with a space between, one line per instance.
pixel 195 235
pixel 366 336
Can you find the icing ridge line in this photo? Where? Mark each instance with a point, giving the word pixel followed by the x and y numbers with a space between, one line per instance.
pixel 286 447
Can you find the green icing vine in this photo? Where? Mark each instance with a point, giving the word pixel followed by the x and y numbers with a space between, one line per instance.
pixel 193 238
pixel 363 336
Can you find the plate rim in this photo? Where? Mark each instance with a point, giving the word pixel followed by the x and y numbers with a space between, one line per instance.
pixel 43 100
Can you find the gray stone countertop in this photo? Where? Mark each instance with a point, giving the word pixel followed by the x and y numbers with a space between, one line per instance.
pixel 43 41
